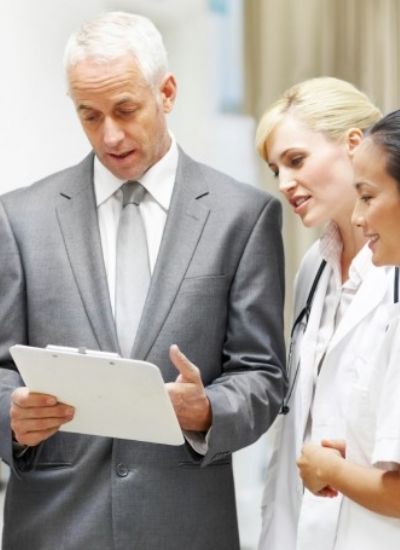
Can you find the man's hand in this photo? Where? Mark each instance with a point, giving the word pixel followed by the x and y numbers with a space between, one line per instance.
pixel 188 395
pixel 36 416
pixel 316 463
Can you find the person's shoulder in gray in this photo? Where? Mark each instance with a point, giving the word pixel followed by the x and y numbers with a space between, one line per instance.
pixel 209 315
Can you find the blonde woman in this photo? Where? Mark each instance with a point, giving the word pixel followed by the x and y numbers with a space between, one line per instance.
pixel 366 467
pixel 308 138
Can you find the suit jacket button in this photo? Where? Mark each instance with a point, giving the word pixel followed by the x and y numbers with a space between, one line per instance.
pixel 122 470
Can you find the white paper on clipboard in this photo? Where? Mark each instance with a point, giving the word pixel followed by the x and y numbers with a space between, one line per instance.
pixel 112 396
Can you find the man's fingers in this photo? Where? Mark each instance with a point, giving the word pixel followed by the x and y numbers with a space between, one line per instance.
pixel 31 439
pixel 38 424
pixel 32 431
pixel 191 406
pixel 22 397
pixel 27 413
pixel 35 417
pixel 188 395
pixel 188 371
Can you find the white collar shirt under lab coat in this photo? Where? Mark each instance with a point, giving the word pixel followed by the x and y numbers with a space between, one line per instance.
pixel 339 294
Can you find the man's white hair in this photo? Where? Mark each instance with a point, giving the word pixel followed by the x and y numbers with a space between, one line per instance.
pixel 114 34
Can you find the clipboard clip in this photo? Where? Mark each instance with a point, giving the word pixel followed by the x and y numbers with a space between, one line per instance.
pixel 82 350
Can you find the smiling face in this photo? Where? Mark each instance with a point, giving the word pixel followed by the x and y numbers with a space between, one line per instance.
pixel 122 115
pixel 377 209
pixel 315 173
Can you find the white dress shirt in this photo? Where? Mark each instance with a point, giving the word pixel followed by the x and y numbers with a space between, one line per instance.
pixel 159 183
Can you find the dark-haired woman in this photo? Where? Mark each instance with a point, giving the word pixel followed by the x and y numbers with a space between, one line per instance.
pixel 366 467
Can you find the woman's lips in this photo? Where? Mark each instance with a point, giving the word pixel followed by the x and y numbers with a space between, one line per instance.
pixel 372 240
pixel 299 202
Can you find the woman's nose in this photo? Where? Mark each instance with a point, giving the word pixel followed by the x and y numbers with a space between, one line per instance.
pixel 357 217
pixel 286 183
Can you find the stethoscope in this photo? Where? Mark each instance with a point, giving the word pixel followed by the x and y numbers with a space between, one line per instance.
pixel 301 322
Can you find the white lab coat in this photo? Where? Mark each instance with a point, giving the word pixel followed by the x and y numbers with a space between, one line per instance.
pixel 373 438
pixel 291 521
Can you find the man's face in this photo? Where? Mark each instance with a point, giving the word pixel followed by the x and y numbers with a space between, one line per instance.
pixel 122 115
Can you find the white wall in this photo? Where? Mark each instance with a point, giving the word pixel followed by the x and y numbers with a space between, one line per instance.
pixel 39 130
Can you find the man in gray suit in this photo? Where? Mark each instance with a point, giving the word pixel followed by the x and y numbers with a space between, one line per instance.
pixel 216 293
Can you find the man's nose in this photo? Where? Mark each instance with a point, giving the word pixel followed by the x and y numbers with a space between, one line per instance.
pixel 113 133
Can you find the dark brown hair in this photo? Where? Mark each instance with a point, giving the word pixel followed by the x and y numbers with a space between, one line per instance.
pixel 386 134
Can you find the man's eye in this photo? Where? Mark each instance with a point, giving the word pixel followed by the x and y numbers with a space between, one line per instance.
pixel 89 117
pixel 127 112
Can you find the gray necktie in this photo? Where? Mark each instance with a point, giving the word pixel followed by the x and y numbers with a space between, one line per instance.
pixel 133 271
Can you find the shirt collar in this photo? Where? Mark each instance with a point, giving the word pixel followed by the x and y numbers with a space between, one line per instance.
pixel 331 247
pixel 158 180
pixel 361 263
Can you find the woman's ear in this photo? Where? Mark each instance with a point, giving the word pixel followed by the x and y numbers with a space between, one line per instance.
pixel 353 138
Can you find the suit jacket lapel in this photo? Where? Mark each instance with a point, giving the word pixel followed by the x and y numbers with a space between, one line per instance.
pixel 185 222
pixel 77 216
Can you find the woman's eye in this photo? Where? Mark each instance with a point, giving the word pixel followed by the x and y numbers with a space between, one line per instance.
pixel 366 198
pixel 296 161
pixel 274 170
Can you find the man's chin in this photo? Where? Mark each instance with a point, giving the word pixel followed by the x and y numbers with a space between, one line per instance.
pixel 124 169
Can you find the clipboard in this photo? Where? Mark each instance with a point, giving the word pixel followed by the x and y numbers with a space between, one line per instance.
pixel 112 396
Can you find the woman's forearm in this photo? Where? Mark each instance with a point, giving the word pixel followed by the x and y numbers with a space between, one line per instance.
pixel 375 489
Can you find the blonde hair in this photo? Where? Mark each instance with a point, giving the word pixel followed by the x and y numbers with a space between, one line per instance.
pixel 324 104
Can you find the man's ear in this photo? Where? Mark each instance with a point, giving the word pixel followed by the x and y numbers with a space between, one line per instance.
pixel 168 92
pixel 353 138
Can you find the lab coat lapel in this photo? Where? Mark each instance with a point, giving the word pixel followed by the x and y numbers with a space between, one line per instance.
pixel 368 297
pixel 77 217
pixel 308 349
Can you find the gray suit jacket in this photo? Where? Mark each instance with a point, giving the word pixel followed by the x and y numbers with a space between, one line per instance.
pixel 216 291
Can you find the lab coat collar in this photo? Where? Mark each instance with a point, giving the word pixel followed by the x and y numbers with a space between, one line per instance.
pixel 375 285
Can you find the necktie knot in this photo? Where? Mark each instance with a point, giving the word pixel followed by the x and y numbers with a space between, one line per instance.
pixel 132 192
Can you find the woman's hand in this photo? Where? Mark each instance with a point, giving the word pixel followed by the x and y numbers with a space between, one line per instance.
pixel 316 464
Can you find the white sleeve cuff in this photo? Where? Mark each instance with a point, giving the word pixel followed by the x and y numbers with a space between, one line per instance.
pixel 198 441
